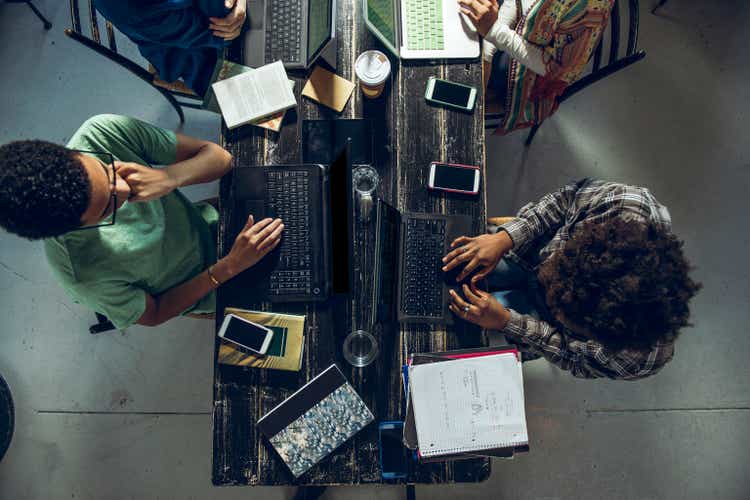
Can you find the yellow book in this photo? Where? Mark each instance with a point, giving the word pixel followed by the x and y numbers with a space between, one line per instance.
pixel 287 345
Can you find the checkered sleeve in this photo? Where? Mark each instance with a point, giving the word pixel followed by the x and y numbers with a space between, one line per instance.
pixel 544 217
pixel 583 359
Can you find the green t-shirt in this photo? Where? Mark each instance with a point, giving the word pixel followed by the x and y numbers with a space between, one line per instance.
pixel 153 245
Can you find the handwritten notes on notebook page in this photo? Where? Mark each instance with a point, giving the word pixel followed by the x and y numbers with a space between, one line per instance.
pixel 469 404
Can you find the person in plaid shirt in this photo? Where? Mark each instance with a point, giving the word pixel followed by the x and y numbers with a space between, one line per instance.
pixel 589 277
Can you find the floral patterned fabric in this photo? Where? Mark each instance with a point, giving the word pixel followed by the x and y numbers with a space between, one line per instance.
pixel 322 429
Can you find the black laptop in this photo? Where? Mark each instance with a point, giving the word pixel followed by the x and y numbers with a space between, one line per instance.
pixel 314 257
pixel 409 284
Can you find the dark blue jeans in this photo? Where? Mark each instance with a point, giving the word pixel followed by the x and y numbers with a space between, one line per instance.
pixel 516 289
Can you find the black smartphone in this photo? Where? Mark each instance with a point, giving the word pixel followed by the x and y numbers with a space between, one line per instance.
pixel 394 456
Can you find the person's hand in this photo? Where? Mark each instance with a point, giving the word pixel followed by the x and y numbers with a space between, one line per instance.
pixel 145 183
pixel 229 27
pixel 479 308
pixel 253 243
pixel 485 250
pixel 483 13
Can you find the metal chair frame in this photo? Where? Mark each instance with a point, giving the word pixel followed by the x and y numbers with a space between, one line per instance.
pixel 45 21
pixel 614 62
pixel 95 43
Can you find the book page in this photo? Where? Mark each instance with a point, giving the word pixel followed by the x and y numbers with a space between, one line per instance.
pixel 468 404
pixel 255 94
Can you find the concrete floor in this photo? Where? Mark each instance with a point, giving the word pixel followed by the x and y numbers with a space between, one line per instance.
pixel 126 415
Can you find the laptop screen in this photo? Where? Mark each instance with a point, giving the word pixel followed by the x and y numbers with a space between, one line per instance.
pixel 381 14
pixel 340 178
pixel 318 27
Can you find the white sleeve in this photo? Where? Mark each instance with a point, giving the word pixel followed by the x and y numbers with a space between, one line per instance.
pixel 508 16
pixel 507 40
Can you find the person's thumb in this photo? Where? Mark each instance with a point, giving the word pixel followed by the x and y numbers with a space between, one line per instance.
pixel 229 3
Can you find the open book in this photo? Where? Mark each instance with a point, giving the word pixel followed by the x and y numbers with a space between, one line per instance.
pixel 251 96
pixel 471 404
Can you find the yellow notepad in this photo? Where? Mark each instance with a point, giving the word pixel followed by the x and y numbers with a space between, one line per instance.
pixel 328 89
pixel 285 351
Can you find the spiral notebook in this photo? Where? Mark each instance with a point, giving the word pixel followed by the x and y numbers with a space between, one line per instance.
pixel 468 405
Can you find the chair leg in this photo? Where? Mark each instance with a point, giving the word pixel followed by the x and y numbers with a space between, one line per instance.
pixel 530 138
pixel 175 104
pixel 658 6
pixel 47 24
pixel 411 492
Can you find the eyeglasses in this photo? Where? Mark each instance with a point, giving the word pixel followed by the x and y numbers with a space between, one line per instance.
pixel 113 191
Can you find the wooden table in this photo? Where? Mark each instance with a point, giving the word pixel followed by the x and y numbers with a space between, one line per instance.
pixel 409 135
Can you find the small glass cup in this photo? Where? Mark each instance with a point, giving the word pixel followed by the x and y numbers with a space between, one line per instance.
pixel 365 180
pixel 360 348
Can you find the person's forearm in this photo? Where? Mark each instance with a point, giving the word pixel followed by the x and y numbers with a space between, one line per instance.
pixel 179 298
pixel 208 164
pixel 542 217
pixel 526 53
pixel 567 354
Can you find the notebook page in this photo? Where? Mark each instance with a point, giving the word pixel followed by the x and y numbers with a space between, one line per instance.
pixel 468 404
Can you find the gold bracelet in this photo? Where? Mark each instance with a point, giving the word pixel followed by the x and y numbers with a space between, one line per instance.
pixel 213 279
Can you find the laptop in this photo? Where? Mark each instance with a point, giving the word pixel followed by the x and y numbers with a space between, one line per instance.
pixel 296 32
pixel 422 29
pixel 414 244
pixel 314 259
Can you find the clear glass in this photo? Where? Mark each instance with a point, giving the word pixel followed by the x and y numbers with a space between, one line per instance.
pixel 360 348
pixel 365 180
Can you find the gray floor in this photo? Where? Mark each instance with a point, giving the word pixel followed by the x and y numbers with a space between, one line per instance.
pixel 126 415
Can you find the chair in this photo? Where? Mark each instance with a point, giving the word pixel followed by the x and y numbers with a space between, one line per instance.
pixel 615 63
pixel 47 24
pixel 7 417
pixel 170 90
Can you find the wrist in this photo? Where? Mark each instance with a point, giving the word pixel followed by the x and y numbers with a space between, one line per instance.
pixel 223 270
pixel 504 240
pixel 172 178
pixel 504 317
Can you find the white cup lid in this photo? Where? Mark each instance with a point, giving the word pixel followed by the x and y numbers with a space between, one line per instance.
pixel 372 67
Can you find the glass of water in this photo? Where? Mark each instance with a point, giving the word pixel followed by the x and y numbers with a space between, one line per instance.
pixel 365 180
pixel 360 348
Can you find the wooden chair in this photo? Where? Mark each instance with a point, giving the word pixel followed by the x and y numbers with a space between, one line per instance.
pixel 47 24
pixel 617 29
pixel 171 91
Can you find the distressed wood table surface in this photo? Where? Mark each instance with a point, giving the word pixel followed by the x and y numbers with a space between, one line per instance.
pixel 410 134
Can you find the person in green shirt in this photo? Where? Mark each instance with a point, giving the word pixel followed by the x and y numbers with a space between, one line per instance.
pixel 118 234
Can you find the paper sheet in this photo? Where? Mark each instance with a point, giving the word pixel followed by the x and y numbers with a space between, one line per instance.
pixel 469 404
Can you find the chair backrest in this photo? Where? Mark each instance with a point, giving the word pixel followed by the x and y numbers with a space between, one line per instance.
pixel 622 31
pixel 93 25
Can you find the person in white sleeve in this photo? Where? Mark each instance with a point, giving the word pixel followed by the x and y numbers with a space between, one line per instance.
pixel 532 50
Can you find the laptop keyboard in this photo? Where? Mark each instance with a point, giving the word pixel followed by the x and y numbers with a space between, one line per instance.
pixel 424 24
pixel 287 194
pixel 283 36
pixel 422 290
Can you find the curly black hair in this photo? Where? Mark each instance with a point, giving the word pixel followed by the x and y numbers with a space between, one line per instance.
pixel 44 189
pixel 625 282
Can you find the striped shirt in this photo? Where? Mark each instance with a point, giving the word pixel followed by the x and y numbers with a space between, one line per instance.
pixel 543 228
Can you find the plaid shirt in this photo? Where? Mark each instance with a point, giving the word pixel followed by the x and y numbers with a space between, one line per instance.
pixel 543 228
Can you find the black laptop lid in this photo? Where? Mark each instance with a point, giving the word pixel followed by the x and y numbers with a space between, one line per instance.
pixel 342 228
pixel 387 231
pixel 322 139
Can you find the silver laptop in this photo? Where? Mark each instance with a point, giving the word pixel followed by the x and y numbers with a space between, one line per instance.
pixel 295 31
pixel 422 29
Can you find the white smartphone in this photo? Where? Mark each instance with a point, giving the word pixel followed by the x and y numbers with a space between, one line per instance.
pixel 246 334
pixel 454 178
pixel 451 94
